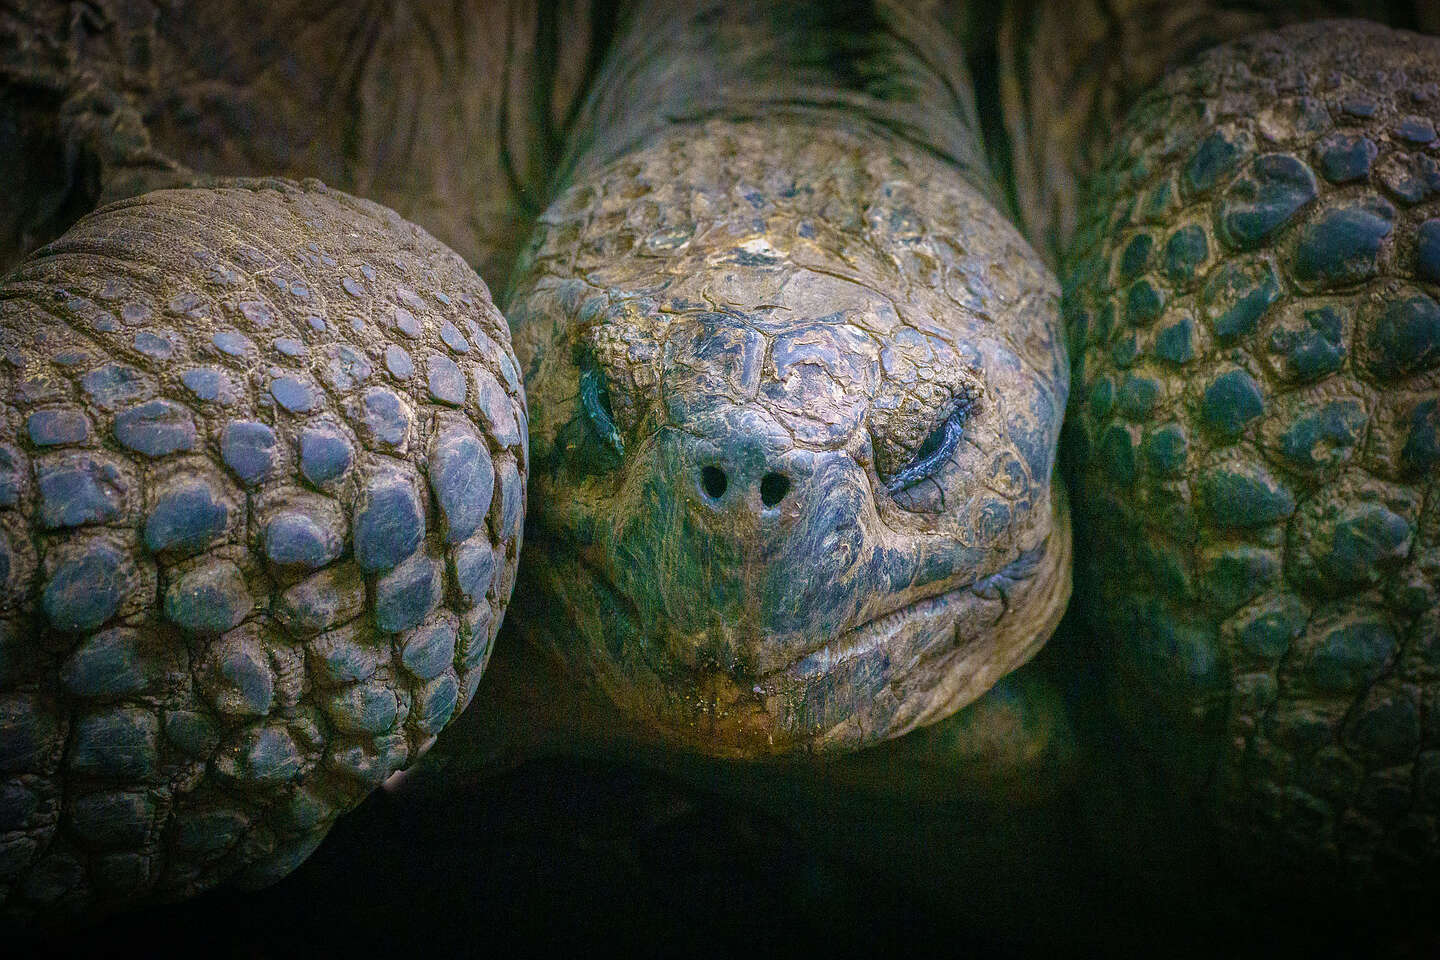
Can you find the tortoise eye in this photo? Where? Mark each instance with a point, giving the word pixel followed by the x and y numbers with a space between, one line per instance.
pixel 917 430
pixel 937 449
pixel 595 401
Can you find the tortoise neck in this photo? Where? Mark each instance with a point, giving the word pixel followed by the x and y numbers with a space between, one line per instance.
pixel 893 67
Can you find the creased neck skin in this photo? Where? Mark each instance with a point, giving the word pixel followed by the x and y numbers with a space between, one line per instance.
pixel 893 65
pixel 795 388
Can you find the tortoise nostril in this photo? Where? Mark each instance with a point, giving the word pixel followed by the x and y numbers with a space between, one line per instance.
pixel 714 482
pixel 773 487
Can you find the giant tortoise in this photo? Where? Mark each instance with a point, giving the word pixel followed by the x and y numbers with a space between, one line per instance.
pixel 782 416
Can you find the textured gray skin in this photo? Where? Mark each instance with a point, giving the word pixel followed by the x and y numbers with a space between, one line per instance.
pixel 807 299
pixel 422 105
pixel 257 531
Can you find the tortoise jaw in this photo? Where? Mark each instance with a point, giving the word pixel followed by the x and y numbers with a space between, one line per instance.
pixel 915 663
pixel 869 638
pixel 928 658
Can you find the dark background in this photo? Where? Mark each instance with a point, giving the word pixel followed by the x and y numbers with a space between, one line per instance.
pixel 591 859
pixel 634 856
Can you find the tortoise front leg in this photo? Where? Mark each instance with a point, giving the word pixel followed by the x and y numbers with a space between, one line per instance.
pixel 1252 299
pixel 262 475
pixel 1061 77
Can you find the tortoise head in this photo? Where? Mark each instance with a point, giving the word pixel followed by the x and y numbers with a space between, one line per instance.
pixel 793 440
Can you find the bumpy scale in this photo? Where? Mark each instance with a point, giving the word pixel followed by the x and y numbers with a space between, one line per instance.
pixel 262 464
pixel 1253 302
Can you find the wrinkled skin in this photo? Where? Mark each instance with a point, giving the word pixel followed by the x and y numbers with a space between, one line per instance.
pixel 770 380
pixel 715 304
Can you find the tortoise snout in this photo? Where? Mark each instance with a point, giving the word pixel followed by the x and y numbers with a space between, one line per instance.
pixel 723 486
pixel 742 468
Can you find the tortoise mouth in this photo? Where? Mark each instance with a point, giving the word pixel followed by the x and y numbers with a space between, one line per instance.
pixel 809 659
pixel 738 691
pixel 762 657
pixel 868 637
pixel 897 640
